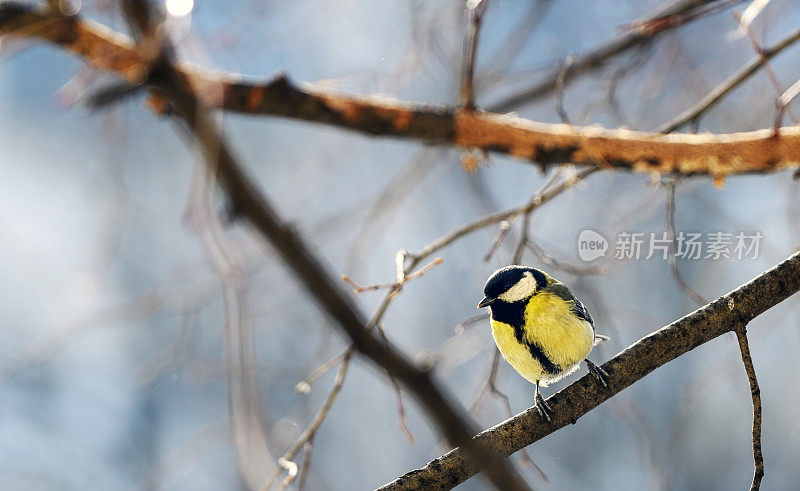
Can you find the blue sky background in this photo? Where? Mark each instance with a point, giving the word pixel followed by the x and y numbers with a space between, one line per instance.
pixel 104 279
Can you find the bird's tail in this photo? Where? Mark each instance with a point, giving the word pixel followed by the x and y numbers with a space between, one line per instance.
pixel 599 338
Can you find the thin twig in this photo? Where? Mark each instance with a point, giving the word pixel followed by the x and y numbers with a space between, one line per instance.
pixel 474 10
pixel 733 81
pixel 463 325
pixel 663 22
pixel 559 88
pixel 488 220
pixel 519 249
pixel 401 408
pixel 291 472
pixel 308 449
pixel 673 262
pixel 512 46
pixel 397 285
pixel 312 428
pixel 490 387
pixel 551 262
pixel 755 394
pixel 402 422
pixel 505 226
pixel 600 56
pixel 783 102
pixel 751 35
pixel 304 386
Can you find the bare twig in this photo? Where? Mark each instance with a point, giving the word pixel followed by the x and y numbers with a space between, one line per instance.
pixel 519 249
pixel 755 393
pixel 750 13
pixel 312 428
pixel 401 408
pixel 463 325
pixel 663 22
pixel 402 422
pixel 512 46
pixel 535 202
pixel 673 262
pixel 397 285
pixel 474 10
pixel 490 387
pixel 308 449
pixel 736 79
pixel 601 56
pixel 554 263
pixel 724 314
pixel 391 197
pixel 505 226
pixel 751 35
pixel 783 102
pixel 291 472
pixel 559 88
pixel 304 386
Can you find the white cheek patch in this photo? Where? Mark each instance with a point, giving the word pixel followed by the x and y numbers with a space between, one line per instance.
pixel 523 289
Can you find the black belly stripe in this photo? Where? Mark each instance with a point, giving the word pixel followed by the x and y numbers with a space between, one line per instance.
pixel 537 353
pixel 513 314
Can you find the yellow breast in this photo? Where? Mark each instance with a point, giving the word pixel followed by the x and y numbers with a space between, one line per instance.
pixel 562 337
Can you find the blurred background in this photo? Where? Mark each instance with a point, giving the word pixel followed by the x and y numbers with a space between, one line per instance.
pixel 117 287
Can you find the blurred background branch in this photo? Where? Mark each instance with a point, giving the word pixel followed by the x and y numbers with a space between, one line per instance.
pixel 715 155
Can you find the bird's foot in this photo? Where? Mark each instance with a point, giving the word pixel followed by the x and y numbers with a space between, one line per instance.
pixel 598 373
pixel 542 407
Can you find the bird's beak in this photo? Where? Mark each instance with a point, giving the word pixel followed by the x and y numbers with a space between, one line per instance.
pixel 486 302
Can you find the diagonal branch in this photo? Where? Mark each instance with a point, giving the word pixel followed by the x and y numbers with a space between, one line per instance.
pixel 686 154
pixel 639 34
pixel 724 314
pixel 249 203
pixel 727 86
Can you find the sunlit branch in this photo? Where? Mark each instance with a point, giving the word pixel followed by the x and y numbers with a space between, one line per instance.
pixel 726 313
pixel 545 144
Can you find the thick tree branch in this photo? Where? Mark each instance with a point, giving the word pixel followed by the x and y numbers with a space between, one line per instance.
pixel 717 155
pixel 727 313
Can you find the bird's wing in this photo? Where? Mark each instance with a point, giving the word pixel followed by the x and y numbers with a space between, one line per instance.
pixel 561 290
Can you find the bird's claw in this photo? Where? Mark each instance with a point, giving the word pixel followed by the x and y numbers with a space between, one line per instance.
pixel 598 373
pixel 542 407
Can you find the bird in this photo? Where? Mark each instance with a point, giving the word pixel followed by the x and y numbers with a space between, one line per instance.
pixel 540 328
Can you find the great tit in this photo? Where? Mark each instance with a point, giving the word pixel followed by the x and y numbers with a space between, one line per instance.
pixel 541 329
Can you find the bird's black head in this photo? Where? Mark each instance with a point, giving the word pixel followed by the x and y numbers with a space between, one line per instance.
pixel 512 284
